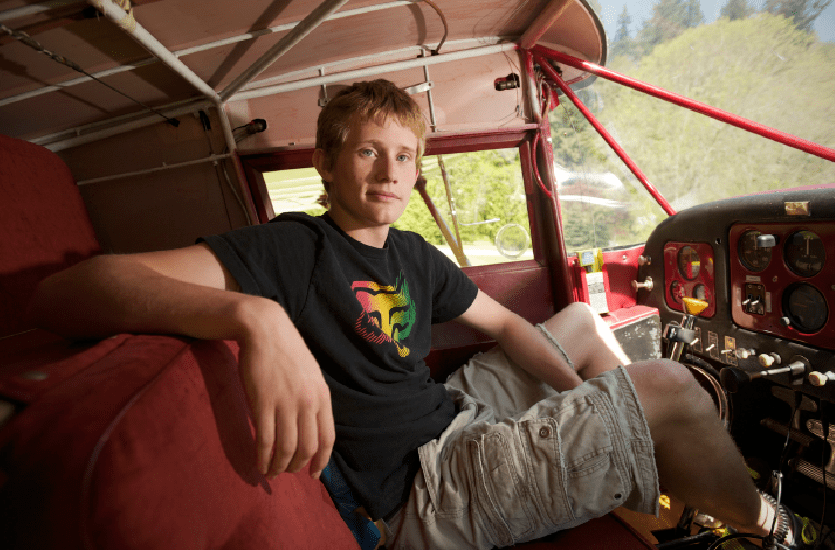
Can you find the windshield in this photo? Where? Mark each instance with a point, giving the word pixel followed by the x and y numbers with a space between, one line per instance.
pixel 749 60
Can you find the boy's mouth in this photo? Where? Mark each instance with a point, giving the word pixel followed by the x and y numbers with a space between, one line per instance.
pixel 383 195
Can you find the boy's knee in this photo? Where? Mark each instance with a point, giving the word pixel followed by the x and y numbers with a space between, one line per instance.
pixel 667 389
pixel 578 315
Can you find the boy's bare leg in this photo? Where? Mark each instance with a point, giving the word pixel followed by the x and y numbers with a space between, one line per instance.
pixel 587 340
pixel 698 461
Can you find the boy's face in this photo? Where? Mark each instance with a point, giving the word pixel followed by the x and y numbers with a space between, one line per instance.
pixel 373 175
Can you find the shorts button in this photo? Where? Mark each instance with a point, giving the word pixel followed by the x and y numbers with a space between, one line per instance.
pixel 544 432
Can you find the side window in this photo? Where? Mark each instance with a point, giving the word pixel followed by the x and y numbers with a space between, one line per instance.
pixel 479 199
pixel 480 211
pixel 296 190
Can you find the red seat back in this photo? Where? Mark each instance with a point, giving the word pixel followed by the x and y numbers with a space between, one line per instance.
pixel 44 225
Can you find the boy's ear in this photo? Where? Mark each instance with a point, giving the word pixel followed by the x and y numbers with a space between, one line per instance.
pixel 320 163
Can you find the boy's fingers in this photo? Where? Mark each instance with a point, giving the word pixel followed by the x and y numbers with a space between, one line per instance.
pixel 308 441
pixel 326 440
pixel 264 441
pixel 286 439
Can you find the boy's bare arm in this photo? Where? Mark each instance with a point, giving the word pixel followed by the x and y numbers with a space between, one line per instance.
pixel 188 292
pixel 521 341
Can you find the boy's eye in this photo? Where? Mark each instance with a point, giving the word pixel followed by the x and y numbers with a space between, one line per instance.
pixel 367 152
pixel 403 157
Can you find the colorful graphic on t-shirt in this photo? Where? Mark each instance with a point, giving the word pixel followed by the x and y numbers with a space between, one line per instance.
pixel 388 312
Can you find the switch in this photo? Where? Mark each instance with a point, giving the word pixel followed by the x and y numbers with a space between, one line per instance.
pixel 766 241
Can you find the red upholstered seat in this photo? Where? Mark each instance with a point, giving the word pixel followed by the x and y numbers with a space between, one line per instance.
pixel 44 226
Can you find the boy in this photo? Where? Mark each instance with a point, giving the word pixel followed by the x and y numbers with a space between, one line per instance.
pixel 333 317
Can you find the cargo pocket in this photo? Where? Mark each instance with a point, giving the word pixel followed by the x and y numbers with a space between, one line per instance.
pixel 593 468
pixel 502 495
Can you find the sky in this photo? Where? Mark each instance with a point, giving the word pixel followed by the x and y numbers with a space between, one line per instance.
pixel 641 10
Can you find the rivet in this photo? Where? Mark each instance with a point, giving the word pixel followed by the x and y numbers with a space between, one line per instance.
pixel 34 375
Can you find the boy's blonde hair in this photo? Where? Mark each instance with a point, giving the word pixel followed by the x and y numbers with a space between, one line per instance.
pixel 377 100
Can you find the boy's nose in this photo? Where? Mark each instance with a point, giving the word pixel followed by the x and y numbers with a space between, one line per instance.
pixel 386 169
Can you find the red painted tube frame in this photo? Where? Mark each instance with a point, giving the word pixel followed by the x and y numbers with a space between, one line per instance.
pixel 697 106
pixel 552 74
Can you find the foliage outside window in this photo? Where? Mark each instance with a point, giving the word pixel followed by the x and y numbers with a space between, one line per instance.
pixel 759 66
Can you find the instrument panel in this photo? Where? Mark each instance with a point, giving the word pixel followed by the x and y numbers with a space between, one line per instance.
pixel 783 279
pixel 765 264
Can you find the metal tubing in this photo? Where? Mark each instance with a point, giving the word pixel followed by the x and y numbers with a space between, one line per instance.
pixel 232 145
pixel 370 71
pixel 179 53
pixel 566 89
pixel 454 245
pixel 734 120
pixel 305 27
pixel 432 122
pixel 34 9
pixel 138 32
pixel 94 132
pixel 210 158
pixel 364 61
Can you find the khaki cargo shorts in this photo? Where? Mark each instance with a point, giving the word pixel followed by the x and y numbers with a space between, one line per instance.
pixel 521 460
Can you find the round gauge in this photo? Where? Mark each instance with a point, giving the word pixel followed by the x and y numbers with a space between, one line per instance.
pixel 700 292
pixel 805 307
pixel 676 291
pixel 804 253
pixel 688 262
pixel 753 256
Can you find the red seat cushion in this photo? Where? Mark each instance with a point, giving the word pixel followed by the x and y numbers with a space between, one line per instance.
pixel 145 442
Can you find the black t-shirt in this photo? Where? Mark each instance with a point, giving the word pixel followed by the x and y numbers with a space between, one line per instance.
pixel 365 313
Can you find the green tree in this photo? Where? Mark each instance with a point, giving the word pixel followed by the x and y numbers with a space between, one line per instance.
pixel 573 136
pixel 669 19
pixel 737 9
pixel 623 43
pixel 802 12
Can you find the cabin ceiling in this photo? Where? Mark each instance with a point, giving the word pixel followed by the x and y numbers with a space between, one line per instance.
pixel 218 41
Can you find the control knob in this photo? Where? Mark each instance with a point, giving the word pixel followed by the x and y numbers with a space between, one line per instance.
pixel 769 359
pixel 817 378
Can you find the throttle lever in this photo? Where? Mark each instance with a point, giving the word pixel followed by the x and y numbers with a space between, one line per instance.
pixel 733 379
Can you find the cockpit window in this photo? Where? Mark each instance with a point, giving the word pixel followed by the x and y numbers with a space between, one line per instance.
pixel 771 69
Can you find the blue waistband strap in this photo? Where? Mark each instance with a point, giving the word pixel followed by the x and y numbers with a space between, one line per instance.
pixel 365 532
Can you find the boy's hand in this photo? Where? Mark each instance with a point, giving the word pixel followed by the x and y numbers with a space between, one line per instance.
pixel 288 396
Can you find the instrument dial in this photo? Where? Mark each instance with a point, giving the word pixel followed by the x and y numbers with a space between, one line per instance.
pixel 753 256
pixel 804 253
pixel 676 291
pixel 689 263
pixel 805 307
